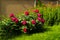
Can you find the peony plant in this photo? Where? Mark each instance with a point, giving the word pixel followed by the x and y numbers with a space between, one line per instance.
pixel 27 23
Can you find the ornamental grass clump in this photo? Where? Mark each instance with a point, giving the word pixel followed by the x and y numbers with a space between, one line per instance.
pixel 26 23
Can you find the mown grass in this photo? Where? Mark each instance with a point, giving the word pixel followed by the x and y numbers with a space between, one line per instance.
pixel 52 34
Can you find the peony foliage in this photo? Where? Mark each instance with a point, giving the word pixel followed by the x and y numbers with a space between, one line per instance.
pixel 27 23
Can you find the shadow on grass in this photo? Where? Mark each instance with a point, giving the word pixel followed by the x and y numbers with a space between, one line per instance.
pixel 15 33
pixel 41 30
pixel 10 35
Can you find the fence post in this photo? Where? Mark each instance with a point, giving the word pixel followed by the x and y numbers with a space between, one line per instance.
pixel 57 3
pixel 34 3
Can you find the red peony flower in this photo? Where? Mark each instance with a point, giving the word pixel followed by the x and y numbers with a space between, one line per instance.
pixel 13 19
pixel 36 11
pixel 24 22
pixel 25 30
pixel 33 22
pixel 26 13
pixel 39 19
pixel 38 14
pixel 42 20
pixel 16 21
pixel 11 15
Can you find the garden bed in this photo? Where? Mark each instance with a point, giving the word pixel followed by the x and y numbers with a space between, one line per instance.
pixel 49 14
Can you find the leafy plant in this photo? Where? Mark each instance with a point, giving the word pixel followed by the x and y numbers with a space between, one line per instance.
pixel 26 23
pixel 51 15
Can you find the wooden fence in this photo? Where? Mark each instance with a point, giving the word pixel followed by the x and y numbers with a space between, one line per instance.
pixel 14 6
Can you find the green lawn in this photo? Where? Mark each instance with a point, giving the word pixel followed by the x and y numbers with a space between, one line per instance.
pixel 52 34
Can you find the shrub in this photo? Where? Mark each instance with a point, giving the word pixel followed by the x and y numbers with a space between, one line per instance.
pixel 50 14
pixel 26 23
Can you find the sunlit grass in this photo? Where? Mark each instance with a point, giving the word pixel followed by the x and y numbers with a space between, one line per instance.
pixel 52 34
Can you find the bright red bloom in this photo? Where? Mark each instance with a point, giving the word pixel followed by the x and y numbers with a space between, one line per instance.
pixel 42 20
pixel 25 30
pixel 36 11
pixel 16 21
pixel 39 19
pixel 38 14
pixel 13 19
pixel 24 22
pixel 11 15
pixel 26 13
pixel 33 22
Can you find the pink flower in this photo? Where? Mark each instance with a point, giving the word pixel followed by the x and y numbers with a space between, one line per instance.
pixel 39 19
pixel 38 14
pixel 16 21
pixel 42 20
pixel 13 19
pixel 25 30
pixel 11 15
pixel 24 22
pixel 36 11
pixel 26 13
pixel 33 22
